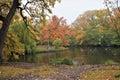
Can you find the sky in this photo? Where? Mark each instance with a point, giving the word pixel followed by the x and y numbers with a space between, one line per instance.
pixel 71 9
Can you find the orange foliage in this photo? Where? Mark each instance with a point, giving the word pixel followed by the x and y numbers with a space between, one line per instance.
pixel 57 28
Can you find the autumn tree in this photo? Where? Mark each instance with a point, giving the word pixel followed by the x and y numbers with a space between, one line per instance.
pixel 35 8
pixel 96 28
pixel 82 21
pixel 57 28
pixel 80 34
pixel 92 18
pixel 13 48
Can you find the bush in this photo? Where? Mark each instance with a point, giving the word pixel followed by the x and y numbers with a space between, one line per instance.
pixel 57 43
pixel 67 61
pixel 62 61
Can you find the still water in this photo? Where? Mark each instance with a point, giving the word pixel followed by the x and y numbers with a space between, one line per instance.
pixel 80 56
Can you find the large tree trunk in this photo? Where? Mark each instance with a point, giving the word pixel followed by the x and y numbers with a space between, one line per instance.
pixel 5 25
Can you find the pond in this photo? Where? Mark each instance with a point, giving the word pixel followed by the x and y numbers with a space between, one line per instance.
pixel 86 55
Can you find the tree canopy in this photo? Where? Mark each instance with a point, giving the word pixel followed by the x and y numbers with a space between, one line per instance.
pixel 37 9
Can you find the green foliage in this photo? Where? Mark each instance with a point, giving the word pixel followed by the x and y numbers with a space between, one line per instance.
pixel 19 41
pixel 62 61
pixel 115 42
pixel 98 28
pixel 67 61
pixel 72 41
pixel 26 37
pixel 57 43
pixel 92 36
pixel 38 10
pixel 101 36
pixel 57 61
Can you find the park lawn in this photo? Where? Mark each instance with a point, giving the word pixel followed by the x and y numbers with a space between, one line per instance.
pixel 107 73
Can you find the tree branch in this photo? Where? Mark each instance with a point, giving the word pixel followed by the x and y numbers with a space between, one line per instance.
pixel 2 18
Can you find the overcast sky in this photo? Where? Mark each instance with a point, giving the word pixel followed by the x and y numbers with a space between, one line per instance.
pixel 71 9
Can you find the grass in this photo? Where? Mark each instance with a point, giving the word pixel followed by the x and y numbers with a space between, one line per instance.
pixel 108 73
pixel 42 71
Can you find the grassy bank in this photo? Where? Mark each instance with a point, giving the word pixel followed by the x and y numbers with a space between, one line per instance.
pixel 42 48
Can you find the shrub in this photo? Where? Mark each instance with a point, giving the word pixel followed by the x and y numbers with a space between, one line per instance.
pixel 57 43
pixel 67 61
pixel 62 61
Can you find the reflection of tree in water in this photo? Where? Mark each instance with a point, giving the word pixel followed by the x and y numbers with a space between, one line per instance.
pixel 29 58
pixel 99 55
pixel 72 51
pixel 94 55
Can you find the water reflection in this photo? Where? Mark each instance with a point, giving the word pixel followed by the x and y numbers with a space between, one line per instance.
pixel 81 56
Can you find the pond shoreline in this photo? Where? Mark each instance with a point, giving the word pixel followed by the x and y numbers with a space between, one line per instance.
pixel 44 49
pixel 51 50
pixel 78 55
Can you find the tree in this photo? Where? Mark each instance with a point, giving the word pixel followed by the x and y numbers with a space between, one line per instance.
pixel 57 28
pixel 96 28
pixel 113 9
pixel 92 18
pixel 12 47
pixel 80 34
pixel 82 21
pixel 25 37
pixel 35 8
pixel 57 43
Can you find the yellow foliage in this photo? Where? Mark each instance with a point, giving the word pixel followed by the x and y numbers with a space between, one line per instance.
pixel 101 29
pixel 38 38
pixel 11 47
pixel 80 35
pixel 16 56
